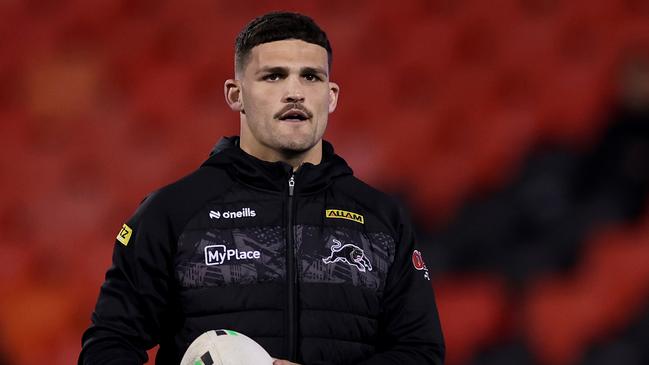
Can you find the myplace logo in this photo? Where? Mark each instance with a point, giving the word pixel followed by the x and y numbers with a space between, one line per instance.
pixel 218 254
pixel 243 213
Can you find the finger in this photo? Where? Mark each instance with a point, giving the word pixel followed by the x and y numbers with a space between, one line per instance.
pixel 282 362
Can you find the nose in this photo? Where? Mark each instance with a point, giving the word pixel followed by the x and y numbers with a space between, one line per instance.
pixel 294 92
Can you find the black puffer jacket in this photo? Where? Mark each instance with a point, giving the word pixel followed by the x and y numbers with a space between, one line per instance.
pixel 315 265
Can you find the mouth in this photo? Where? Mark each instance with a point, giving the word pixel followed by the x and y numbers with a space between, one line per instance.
pixel 294 115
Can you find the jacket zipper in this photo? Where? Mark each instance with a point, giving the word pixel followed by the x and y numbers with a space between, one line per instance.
pixel 291 276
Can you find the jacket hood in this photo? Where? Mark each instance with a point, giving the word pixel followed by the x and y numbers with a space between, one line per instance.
pixel 266 175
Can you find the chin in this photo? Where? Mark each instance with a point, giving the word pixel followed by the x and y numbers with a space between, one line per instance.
pixel 296 146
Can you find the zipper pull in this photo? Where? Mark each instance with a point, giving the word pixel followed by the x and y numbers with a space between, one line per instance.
pixel 291 185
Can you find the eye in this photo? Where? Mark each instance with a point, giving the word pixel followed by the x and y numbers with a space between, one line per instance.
pixel 272 77
pixel 312 77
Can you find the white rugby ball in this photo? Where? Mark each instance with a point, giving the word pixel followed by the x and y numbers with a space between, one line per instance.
pixel 225 347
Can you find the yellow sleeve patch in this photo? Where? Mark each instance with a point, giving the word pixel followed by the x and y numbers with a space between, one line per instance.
pixel 125 234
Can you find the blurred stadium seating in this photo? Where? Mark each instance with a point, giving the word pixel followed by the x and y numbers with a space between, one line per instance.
pixel 488 118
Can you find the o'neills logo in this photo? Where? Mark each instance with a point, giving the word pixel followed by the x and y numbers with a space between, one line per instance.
pixel 343 214
pixel 243 213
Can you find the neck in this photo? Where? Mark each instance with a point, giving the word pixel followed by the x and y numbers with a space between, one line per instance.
pixel 293 158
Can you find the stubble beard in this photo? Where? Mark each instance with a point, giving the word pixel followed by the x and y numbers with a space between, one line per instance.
pixel 295 146
pixel 287 141
pixel 300 141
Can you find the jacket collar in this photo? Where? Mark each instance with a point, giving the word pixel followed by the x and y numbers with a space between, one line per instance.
pixel 274 176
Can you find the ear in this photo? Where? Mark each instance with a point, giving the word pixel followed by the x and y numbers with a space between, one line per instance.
pixel 232 90
pixel 334 89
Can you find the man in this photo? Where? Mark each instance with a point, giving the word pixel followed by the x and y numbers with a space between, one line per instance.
pixel 272 236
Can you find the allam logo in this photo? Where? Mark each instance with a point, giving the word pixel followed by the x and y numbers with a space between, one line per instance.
pixel 343 214
pixel 243 213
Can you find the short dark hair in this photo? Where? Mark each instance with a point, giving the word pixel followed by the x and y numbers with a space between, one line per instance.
pixel 277 26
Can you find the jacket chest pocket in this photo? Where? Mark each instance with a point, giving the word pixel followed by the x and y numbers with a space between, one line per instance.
pixel 339 255
pixel 237 256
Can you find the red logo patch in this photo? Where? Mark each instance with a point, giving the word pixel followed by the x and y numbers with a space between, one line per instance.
pixel 418 261
pixel 419 264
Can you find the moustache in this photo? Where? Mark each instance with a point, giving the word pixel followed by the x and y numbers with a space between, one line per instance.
pixel 293 106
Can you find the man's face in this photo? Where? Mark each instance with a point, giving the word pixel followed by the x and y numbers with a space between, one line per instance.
pixel 285 97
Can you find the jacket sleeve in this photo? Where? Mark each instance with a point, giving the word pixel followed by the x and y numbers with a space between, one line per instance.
pixel 133 301
pixel 410 331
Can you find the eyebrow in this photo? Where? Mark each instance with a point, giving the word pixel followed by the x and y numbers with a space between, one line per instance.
pixel 316 70
pixel 284 70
